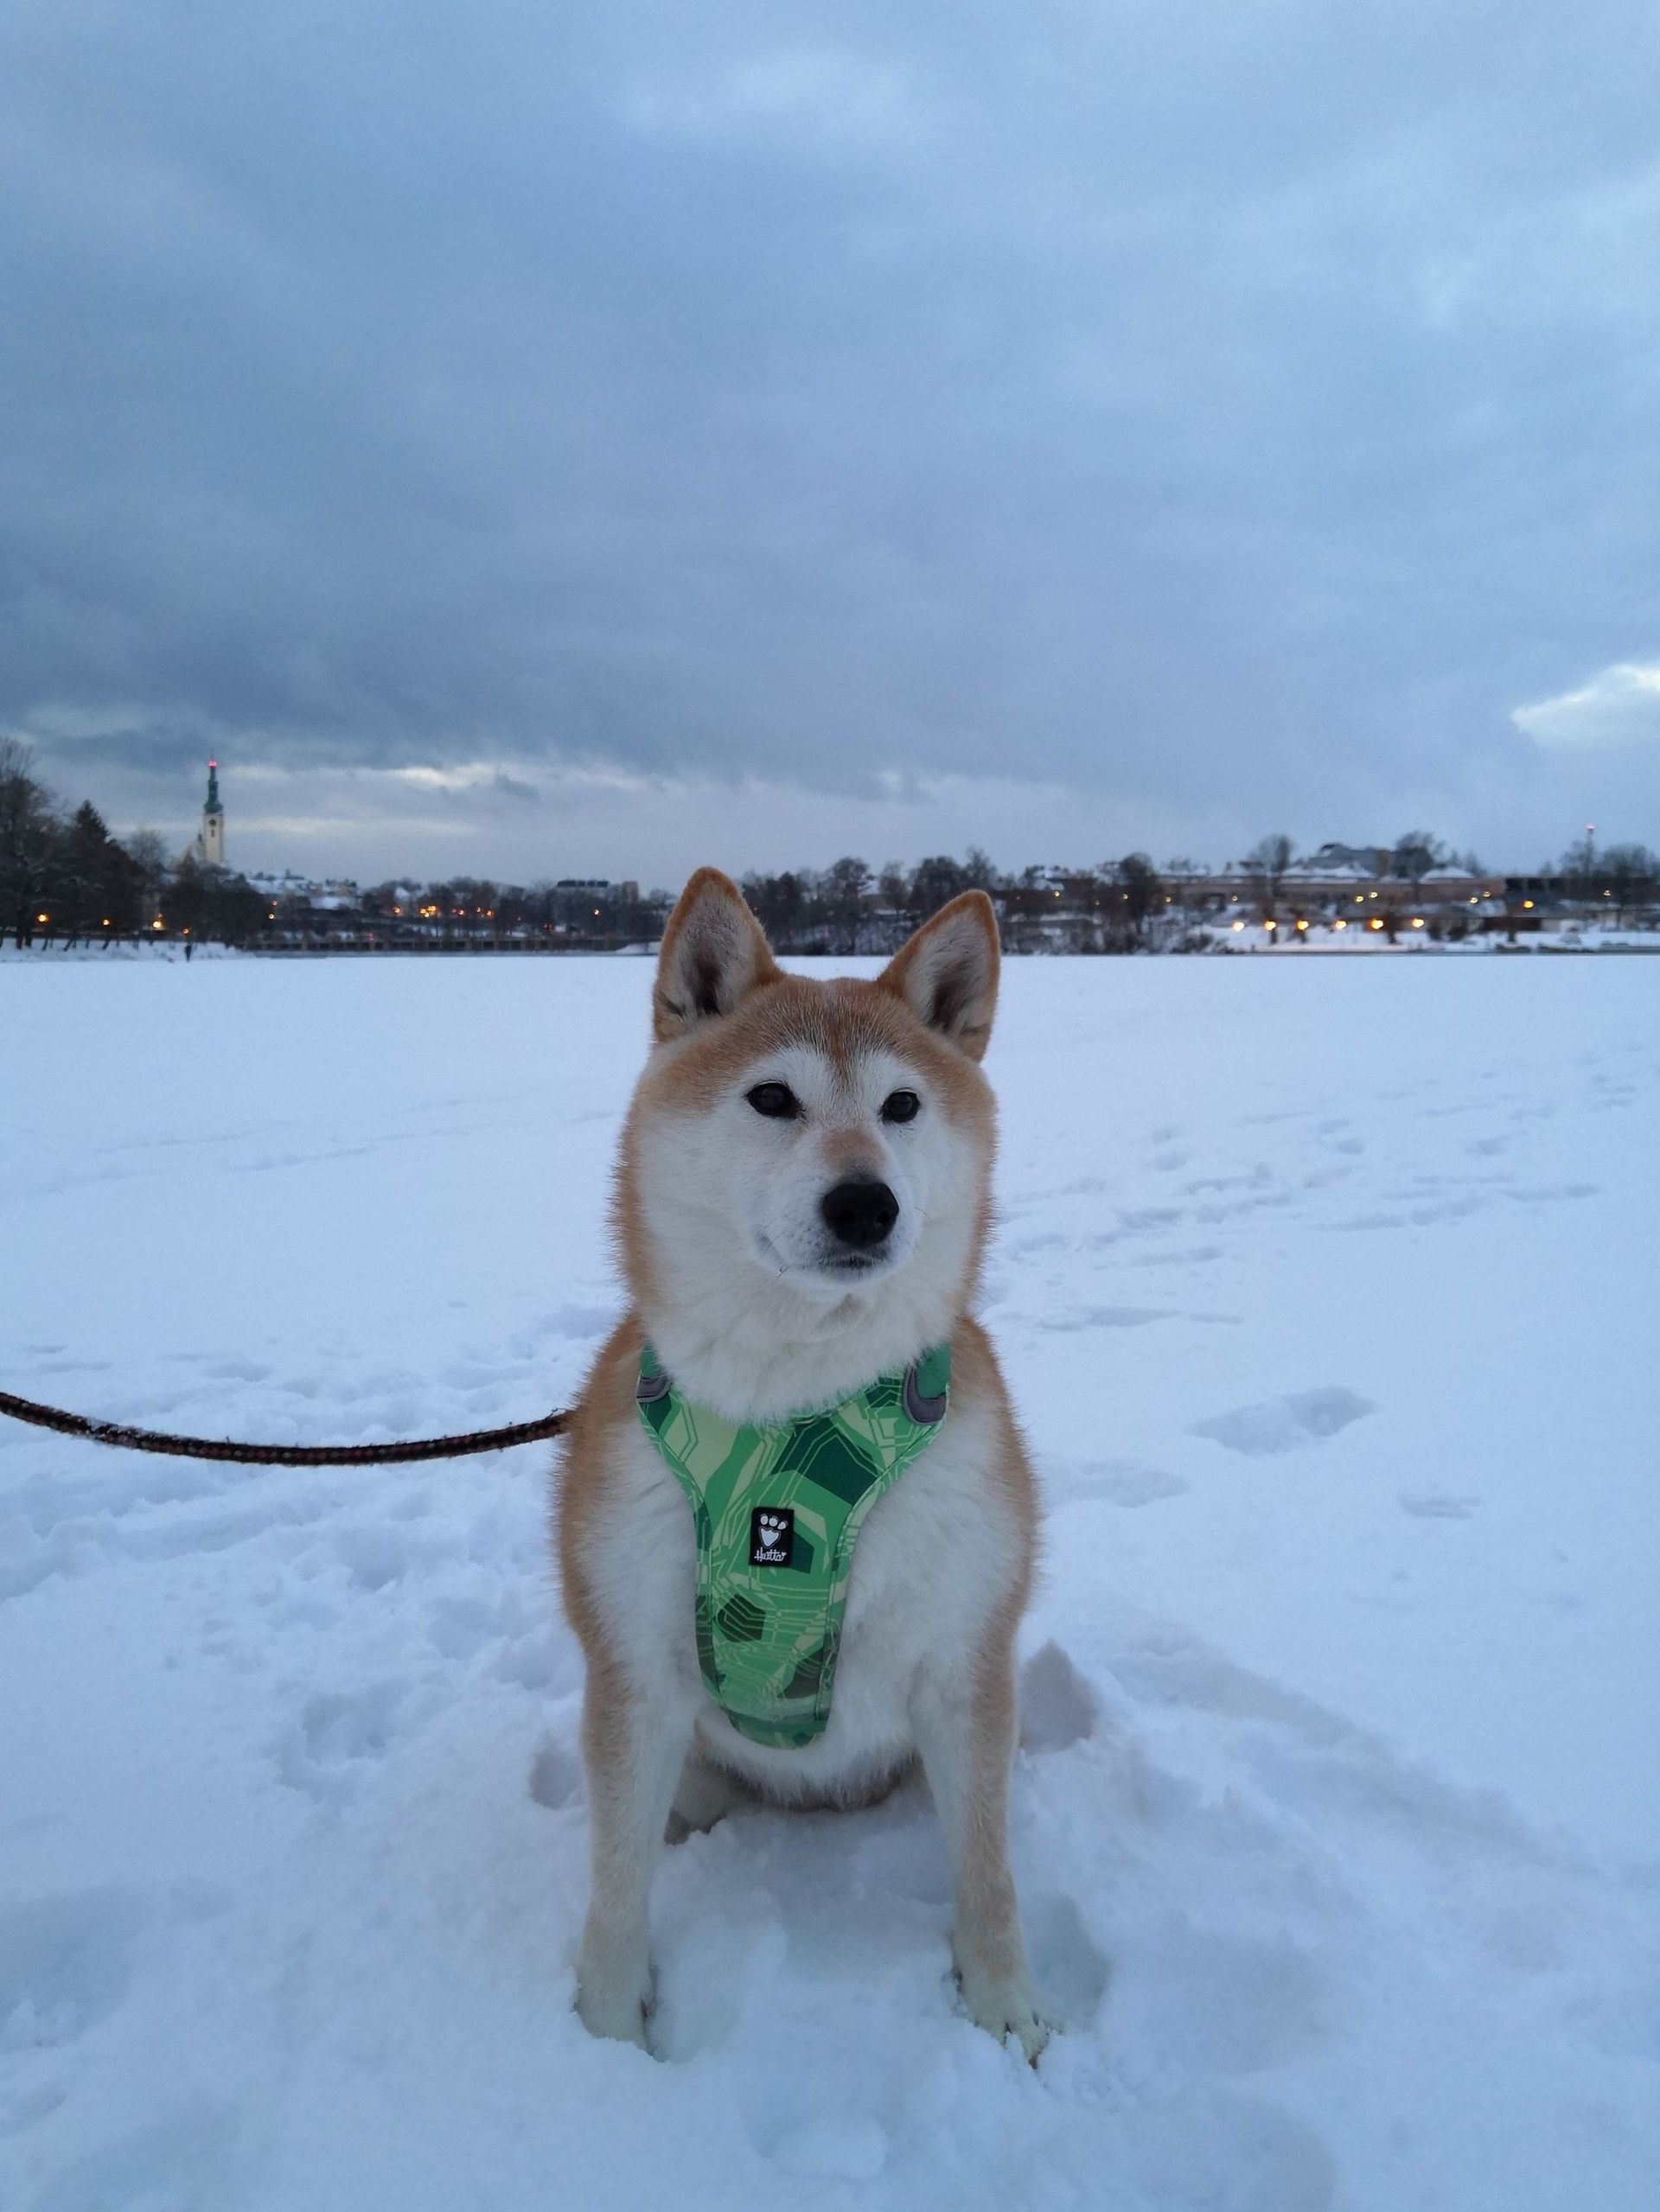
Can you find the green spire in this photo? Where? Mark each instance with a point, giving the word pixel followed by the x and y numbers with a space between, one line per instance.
pixel 212 806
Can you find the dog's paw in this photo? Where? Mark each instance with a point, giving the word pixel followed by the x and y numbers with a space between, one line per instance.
pixel 1005 2008
pixel 615 2008
pixel 618 2021
pixel 704 1796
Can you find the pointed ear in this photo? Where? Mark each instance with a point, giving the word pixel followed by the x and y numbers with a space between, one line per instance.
pixel 714 955
pixel 946 974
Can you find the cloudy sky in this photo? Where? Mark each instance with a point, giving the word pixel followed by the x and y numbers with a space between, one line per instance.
pixel 530 441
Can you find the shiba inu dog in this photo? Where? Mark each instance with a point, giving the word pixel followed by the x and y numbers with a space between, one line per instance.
pixel 801 1199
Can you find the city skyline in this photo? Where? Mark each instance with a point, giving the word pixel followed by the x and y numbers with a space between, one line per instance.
pixel 208 847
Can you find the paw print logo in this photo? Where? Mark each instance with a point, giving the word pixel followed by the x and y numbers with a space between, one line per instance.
pixel 772 1536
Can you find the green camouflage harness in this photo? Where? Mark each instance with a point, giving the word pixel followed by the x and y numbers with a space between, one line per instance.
pixel 778 1506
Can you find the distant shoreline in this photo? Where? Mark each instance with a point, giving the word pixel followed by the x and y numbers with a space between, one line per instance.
pixel 126 951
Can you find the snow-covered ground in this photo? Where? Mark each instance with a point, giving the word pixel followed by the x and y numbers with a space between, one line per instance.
pixel 1326 1290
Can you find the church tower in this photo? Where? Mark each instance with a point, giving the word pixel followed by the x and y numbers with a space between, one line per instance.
pixel 211 842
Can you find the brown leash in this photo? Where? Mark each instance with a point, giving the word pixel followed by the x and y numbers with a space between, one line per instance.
pixel 280 1454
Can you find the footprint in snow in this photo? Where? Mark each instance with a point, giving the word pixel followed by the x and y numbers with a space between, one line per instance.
pixel 338 1737
pixel 1430 1506
pixel 1057 1706
pixel 65 1962
pixel 1069 1967
pixel 1106 1317
pixel 1118 1481
pixel 1218 2000
pixel 556 1775
pixel 1285 1423
pixel 375 1556
pixel 180 2163
pixel 835 2146
pixel 1134 1483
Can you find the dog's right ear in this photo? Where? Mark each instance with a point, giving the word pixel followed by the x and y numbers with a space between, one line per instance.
pixel 714 954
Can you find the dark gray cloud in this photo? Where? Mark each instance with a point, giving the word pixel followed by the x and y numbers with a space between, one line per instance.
pixel 1212 416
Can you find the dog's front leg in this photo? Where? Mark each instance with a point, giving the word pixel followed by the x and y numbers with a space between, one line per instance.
pixel 633 1747
pixel 964 1732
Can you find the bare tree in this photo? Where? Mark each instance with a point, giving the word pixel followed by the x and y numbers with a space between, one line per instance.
pixel 1632 873
pixel 893 887
pixel 1578 864
pixel 1141 891
pixel 30 835
pixel 777 903
pixel 843 887
pixel 147 852
pixel 936 884
pixel 1416 853
pixel 1269 860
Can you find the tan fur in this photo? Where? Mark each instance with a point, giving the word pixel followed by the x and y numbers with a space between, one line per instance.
pixel 721 1010
pixel 605 1406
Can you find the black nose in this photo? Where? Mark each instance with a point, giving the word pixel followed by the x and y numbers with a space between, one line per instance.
pixel 859 1213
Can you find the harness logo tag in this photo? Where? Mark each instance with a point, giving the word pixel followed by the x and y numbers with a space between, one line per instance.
pixel 772 1536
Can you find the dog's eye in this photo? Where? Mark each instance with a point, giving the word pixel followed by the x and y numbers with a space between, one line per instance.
pixel 901 1105
pixel 776 1100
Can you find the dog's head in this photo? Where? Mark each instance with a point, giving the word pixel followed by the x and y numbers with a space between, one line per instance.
pixel 817 1151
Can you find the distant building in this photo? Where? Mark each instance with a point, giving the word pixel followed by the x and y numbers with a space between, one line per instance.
pixel 288 885
pixel 1334 861
pixel 334 893
pixel 207 848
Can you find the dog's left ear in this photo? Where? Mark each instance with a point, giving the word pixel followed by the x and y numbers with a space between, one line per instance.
pixel 946 973
pixel 714 954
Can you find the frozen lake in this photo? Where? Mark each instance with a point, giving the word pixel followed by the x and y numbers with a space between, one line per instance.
pixel 1325 1291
